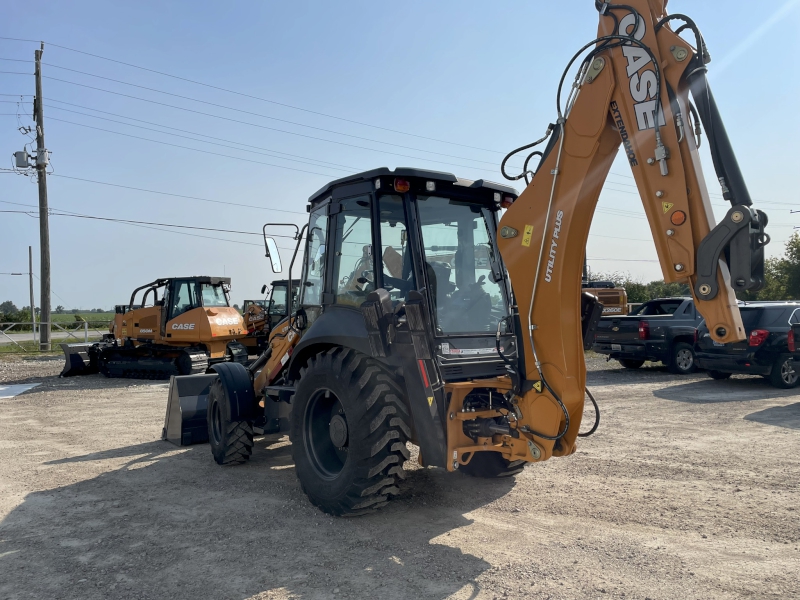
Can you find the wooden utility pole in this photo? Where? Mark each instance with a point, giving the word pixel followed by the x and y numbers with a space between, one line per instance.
pixel 30 279
pixel 44 225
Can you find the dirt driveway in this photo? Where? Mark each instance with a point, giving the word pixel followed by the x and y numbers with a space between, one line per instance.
pixel 688 490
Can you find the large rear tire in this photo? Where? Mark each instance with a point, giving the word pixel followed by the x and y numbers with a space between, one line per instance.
pixel 491 465
pixel 349 428
pixel 231 441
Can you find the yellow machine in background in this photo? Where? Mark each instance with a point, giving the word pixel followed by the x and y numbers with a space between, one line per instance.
pixel 178 327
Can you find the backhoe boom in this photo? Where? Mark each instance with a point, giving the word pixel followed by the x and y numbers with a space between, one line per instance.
pixel 637 63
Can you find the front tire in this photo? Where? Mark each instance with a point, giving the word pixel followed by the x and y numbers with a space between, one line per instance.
pixel 349 428
pixel 682 360
pixel 783 374
pixel 491 465
pixel 630 363
pixel 231 441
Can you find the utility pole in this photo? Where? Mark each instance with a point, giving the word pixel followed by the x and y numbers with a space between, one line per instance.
pixel 44 225
pixel 33 305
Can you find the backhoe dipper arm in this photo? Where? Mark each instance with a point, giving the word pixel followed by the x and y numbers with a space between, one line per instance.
pixel 637 63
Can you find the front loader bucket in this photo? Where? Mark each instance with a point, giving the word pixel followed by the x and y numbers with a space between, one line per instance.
pixel 78 360
pixel 186 423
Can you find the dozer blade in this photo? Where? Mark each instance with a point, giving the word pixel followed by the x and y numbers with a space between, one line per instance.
pixel 78 360
pixel 186 423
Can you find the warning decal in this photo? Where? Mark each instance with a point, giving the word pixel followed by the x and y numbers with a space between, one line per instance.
pixel 666 206
pixel 526 238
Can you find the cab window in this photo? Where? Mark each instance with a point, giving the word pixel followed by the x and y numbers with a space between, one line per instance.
pixel 353 263
pixel 183 300
pixel 397 270
pixel 314 266
pixel 213 295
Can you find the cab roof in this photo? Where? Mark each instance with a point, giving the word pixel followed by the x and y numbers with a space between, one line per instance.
pixel 408 172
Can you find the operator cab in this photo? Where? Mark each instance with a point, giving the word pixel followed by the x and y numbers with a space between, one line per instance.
pixel 413 230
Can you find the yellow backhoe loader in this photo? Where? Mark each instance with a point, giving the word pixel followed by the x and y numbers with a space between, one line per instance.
pixel 427 315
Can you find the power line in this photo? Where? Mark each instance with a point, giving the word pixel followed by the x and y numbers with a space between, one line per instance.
pixel 177 129
pixel 255 114
pixel 208 85
pixel 258 162
pixel 250 124
pixel 187 197
pixel 142 224
pixel 249 148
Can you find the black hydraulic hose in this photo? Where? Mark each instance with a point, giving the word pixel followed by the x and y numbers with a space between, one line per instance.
pixel 260 361
pixel 516 380
pixel 520 149
pixel 596 416
pixel 525 170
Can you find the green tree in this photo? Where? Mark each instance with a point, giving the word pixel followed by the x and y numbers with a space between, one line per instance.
pixel 8 308
pixel 59 310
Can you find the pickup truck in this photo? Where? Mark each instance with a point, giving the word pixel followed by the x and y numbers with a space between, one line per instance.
pixel 767 351
pixel 662 330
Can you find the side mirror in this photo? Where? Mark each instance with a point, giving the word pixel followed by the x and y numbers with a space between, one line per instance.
pixel 263 288
pixel 272 253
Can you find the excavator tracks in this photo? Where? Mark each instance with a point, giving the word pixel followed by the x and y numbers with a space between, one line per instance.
pixel 151 362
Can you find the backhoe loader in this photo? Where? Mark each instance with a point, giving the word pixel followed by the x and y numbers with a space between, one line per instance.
pixel 178 327
pixel 260 316
pixel 429 315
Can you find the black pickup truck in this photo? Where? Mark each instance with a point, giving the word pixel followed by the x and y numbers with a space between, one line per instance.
pixel 659 330
pixel 767 351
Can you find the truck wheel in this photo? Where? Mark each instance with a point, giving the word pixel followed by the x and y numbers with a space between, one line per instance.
pixel 719 375
pixel 783 374
pixel 231 441
pixel 490 465
pixel 349 428
pixel 682 359
pixel 629 363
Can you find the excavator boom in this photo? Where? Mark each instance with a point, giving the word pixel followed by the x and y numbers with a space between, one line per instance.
pixel 634 88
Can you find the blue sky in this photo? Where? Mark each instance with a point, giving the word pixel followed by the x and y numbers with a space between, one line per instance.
pixel 480 76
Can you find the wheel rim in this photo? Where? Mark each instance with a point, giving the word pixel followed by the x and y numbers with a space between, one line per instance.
pixel 788 374
pixel 684 359
pixel 326 434
pixel 216 421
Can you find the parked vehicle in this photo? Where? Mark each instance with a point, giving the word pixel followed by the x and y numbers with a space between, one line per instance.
pixel 659 330
pixel 767 351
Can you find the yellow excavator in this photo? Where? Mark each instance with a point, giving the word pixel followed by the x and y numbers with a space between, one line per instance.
pixel 430 315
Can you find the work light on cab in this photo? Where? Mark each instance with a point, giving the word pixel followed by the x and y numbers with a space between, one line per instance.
pixel 401 185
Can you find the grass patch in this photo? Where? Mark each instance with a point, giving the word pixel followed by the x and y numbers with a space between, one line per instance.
pixel 31 347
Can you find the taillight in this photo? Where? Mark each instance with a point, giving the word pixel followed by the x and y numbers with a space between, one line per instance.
pixel 644 330
pixel 695 336
pixel 758 337
pixel 790 341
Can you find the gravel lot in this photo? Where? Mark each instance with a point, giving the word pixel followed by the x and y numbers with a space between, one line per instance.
pixel 688 490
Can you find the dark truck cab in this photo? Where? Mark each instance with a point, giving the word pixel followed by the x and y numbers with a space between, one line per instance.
pixel 768 349
pixel 659 330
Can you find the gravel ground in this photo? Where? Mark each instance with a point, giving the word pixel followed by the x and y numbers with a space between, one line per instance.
pixel 688 490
